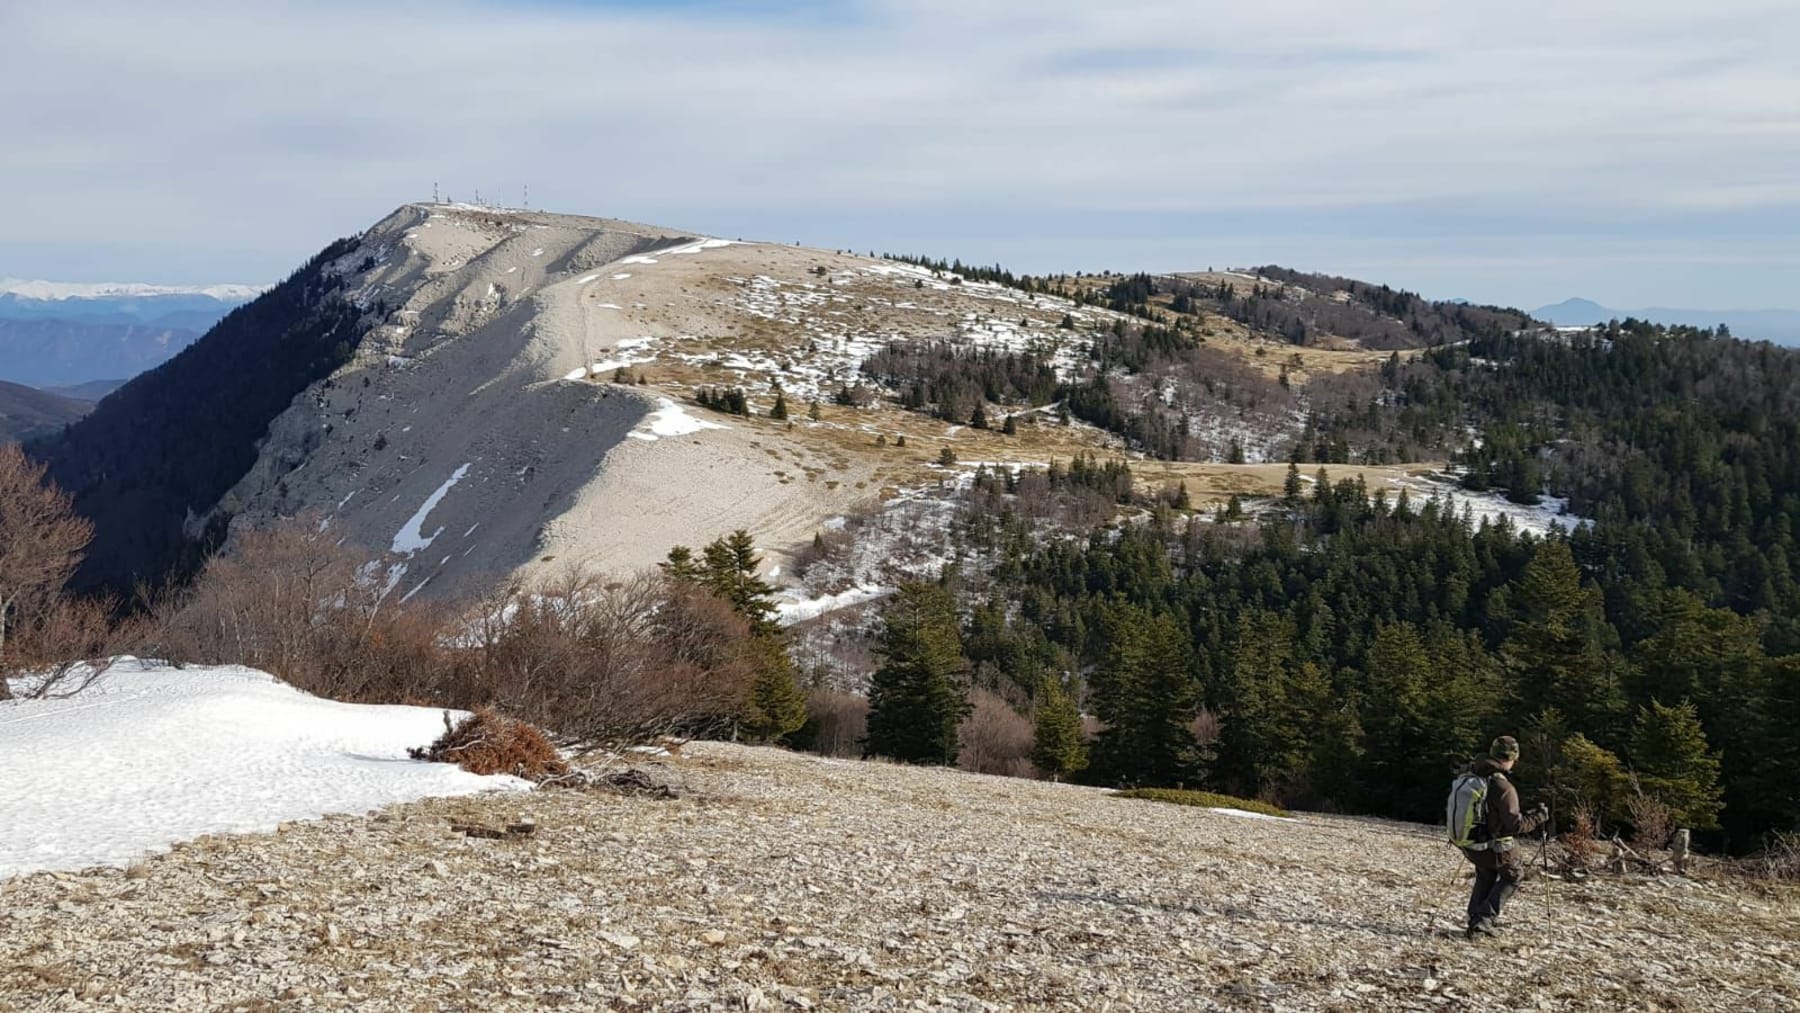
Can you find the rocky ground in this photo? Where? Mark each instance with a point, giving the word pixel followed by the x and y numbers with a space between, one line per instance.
pixel 783 880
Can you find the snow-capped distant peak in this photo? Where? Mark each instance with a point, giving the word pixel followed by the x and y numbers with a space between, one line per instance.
pixel 59 290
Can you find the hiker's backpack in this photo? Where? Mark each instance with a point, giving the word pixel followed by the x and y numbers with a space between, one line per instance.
pixel 1465 814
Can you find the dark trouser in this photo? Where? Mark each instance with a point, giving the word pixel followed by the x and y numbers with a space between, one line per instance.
pixel 1497 876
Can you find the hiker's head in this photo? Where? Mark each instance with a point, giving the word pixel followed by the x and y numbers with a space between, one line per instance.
pixel 1504 751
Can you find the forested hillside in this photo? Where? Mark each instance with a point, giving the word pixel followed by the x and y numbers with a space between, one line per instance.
pixel 1348 648
pixel 164 447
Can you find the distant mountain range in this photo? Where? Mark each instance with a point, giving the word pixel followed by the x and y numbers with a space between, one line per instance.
pixel 1781 326
pixel 64 334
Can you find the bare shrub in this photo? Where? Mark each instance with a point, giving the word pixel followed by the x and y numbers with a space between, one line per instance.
pixel 836 723
pixel 487 742
pixel 66 645
pixel 606 666
pixel 291 601
pixel 994 738
pixel 1779 859
pixel 1651 822
pixel 41 541
pixel 1579 838
pixel 1205 728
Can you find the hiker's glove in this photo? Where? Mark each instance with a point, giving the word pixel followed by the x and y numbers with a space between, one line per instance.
pixel 1541 814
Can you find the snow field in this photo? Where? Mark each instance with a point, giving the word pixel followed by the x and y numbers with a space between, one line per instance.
pixel 150 755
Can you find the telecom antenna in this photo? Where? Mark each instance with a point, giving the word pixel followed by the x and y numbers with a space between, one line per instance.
pixel 478 196
pixel 528 195
pixel 434 194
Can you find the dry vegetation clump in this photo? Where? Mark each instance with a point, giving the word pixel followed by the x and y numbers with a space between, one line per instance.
pixel 994 738
pixel 487 742
pixel 836 723
pixel 1206 799
pixel 601 665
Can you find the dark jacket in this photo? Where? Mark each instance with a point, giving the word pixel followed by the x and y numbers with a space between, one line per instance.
pixel 1503 816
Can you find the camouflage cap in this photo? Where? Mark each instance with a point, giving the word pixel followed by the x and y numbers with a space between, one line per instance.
pixel 1504 748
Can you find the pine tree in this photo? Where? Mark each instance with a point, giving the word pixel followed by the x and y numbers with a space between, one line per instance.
pixel 979 419
pixel 1011 428
pixel 1145 692
pixel 1556 650
pixel 1669 752
pixel 1056 746
pixel 1292 487
pixel 780 410
pixel 681 565
pixel 916 697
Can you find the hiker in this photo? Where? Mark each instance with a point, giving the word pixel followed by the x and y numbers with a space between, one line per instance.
pixel 1483 819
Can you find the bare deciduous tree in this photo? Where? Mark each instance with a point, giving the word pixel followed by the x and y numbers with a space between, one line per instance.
pixel 41 540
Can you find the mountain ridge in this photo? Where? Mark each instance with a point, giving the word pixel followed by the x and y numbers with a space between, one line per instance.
pixel 1781 326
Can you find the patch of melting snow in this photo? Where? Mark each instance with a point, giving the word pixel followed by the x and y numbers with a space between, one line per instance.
pixel 620 277
pixel 1248 815
pixel 411 537
pixel 671 419
pixel 790 612
pixel 584 279
pixel 638 260
pixel 538 252
pixel 1491 507
pixel 148 756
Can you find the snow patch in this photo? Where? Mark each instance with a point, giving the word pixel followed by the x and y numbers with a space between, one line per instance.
pixel 412 537
pixel 787 613
pixel 148 756
pixel 671 419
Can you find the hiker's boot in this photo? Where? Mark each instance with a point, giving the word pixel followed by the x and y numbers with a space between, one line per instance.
pixel 1486 927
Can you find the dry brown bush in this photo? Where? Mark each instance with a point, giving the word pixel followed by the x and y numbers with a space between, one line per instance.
pixel 836 722
pixel 994 738
pixel 64 646
pixel 1651 822
pixel 41 542
pixel 1578 839
pixel 599 664
pixel 614 664
pixel 487 742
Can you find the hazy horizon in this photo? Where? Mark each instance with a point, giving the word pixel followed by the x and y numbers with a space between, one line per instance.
pixel 1522 156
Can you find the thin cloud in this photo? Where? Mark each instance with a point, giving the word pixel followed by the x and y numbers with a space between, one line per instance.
pixel 230 138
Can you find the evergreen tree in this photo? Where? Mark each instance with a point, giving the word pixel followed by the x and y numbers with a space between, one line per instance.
pixel 728 568
pixel 916 696
pixel 1669 752
pixel 1556 651
pixel 1011 427
pixel 1057 748
pixel 979 419
pixel 1271 704
pixel 779 412
pixel 1593 779
pixel 1291 488
pixel 1145 692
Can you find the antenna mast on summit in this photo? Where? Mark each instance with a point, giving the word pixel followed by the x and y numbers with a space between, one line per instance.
pixel 434 194
pixel 527 195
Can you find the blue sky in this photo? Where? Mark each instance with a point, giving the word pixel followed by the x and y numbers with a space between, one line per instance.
pixel 1635 153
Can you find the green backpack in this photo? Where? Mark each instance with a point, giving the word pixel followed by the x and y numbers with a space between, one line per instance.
pixel 1465 814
